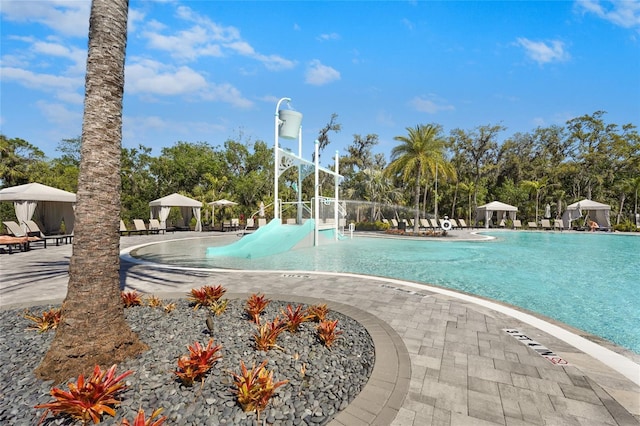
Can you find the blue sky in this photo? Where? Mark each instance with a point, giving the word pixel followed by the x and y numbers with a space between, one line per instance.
pixel 201 71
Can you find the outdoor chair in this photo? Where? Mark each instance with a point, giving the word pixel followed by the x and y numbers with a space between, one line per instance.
pixel 16 231
pixel 462 223
pixel 517 224
pixel 557 224
pixel 34 230
pixel 424 224
pixel 532 225
pixel 142 228
pixel 154 225
pixel 434 224
pixel 262 222
pixel 545 224
pixel 454 224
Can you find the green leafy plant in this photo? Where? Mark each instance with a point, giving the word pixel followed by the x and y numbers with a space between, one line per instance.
pixel 219 306
pixel 88 400
pixel 254 388
pixel 327 332
pixel 295 317
pixel 141 420
pixel 199 361
pixel 49 320
pixel 206 295
pixel 256 304
pixel 318 312
pixel 268 334
pixel 130 298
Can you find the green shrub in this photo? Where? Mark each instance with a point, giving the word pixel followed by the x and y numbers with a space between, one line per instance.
pixel 372 226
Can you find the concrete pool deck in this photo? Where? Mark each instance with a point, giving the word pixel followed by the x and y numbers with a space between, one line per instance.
pixel 441 357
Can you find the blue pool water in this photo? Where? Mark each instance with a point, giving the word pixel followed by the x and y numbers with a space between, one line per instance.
pixel 589 281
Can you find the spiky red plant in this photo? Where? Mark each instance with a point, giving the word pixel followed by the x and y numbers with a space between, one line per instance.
pixel 88 400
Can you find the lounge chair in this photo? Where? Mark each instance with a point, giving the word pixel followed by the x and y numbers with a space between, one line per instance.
pixel 532 225
pixel 424 224
pixel 262 221
pixel 142 228
pixel 154 225
pixel 11 243
pixel 462 223
pixel 16 231
pixel 123 228
pixel 454 224
pixel 502 224
pixel 517 224
pixel 434 224
pixel 545 224
pixel 34 230
pixel 557 224
pixel 394 224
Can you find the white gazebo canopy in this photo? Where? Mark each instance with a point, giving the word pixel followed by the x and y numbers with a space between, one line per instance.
pixel 188 208
pixel 595 211
pixel 220 203
pixel 486 211
pixel 47 205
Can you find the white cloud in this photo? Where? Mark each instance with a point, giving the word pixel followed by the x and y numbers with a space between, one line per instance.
pixel 66 17
pixel 154 78
pixel 430 106
pixel 59 114
pixel 38 81
pixel 318 74
pixel 329 37
pixel 625 14
pixel 541 52
pixel 207 38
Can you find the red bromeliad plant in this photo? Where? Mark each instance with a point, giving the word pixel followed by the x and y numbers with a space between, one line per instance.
pixel 48 321
pixel 141 420
pixel 327 332
pixel 206 295
pixel 255 387
pixel 268 334
pixel 87 401
pixel 154 301
pixel 198 362
pixel 256 304
pixel 295 317
pixel 130 298
pixel 318 312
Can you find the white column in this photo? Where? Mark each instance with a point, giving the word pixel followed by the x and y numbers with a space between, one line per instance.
pixel 276 158
pixel 317 195
pixel 336 181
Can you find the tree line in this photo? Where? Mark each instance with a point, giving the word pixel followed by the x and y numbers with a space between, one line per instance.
pixel 429 171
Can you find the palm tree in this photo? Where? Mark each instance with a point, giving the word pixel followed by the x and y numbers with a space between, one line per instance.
pixel 417 155
pixel 535 186
pixel 93 328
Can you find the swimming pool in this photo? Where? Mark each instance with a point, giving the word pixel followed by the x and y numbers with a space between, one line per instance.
pixel 589 281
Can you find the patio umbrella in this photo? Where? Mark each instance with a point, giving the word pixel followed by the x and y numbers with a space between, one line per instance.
pixel 547 211
pixel 261 211
pixel 220 203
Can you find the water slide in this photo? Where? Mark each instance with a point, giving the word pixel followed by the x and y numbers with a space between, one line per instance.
pixel 270 239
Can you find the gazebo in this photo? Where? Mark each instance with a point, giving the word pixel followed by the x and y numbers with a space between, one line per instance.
pixel 501 209
pixel 188 208
pixel 47 205
pixel 595 211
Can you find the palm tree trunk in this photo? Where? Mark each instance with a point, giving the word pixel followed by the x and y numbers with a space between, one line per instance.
pixel 93 330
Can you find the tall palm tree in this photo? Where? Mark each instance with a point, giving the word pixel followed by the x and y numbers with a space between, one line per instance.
pixel 93 329
pixel 536 186
pixel 417 155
